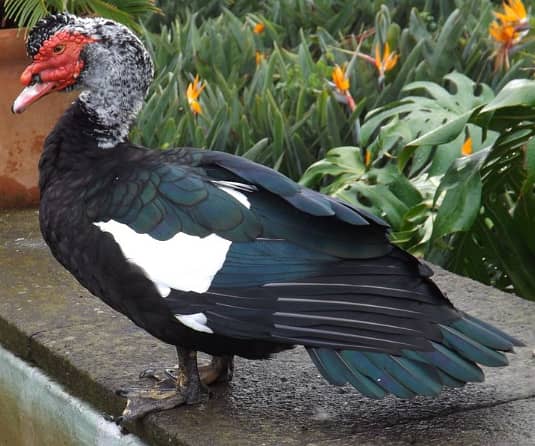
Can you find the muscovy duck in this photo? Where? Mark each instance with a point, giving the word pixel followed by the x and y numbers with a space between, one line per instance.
pixel 211 252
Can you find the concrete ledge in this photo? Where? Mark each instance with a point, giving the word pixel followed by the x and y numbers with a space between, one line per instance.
pixel 47 319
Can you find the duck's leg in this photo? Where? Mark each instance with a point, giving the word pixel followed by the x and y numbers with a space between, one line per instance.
pixel 188 381
pixel 220 369
pixel 168 393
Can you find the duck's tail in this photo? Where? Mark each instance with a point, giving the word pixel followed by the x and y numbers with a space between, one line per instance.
pixel 452 362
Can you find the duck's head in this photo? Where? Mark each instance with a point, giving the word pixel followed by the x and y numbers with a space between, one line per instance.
pixel 100 57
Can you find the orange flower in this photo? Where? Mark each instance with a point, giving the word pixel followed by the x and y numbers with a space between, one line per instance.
pixel 504 34
pixel 514 13
pixel 193 92
pixel 387 62
pixel 341 83
pixel 367 158
pixel 340 80
pixel 259 28
pixel 466 149
pixel 508 30
pixel 259 57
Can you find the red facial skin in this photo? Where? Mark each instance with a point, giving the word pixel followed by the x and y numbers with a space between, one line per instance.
pixel 61 67
pixel 58 65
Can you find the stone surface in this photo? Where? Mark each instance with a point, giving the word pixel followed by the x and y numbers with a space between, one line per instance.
pixel 48 319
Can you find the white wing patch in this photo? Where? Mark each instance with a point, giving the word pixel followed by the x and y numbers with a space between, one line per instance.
pixel 236 185
pixel 184 262
pixel 163 290
pixel 231 188
pixel 195 321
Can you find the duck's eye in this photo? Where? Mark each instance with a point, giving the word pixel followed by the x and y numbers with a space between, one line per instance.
pixel 58 49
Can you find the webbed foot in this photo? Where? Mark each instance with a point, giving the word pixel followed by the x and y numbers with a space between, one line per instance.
pixel 169 391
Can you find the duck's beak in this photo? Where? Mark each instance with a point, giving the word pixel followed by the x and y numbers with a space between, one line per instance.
pixel 32 93
pixel 37 84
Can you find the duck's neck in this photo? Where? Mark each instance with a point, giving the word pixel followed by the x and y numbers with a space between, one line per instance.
pixel 114 90
pixel 110 116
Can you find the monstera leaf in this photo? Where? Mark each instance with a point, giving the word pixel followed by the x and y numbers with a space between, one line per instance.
pixel 484 225
pixel 473 213
pixel 435 121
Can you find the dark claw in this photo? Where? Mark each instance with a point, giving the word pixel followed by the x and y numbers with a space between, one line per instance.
pixel 113 419
pixel 121 392
pixel 110 418
pixel 148 373
pixel 118 420
pixel 171 373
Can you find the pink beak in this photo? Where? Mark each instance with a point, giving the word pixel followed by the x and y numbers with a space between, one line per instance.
pixel 31 94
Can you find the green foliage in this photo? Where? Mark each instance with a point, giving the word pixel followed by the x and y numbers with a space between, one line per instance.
pixel 280 113
pixel 425 119
pixel 474 214
pixel 284 107
pixel 26 13
pixel 412 143
pixel 499 246
pixel 291 16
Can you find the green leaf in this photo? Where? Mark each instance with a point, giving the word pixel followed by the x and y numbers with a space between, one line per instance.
pixel 514 254
pixel 435 118
pixel 256 151
pixel 378 199
pixel 345 161
pixel 530 160
pixel 518 92
pixel 443 134
pixel 27 12
pixel 460 206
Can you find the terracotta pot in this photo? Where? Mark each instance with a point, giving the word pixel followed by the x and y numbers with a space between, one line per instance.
pixel 21 136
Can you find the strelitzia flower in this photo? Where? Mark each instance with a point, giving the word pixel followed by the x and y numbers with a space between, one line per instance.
pixel 508 30
pixel 367 158
pixel 514 13
pixel 466 148
pixel 259 57
pixel 258 28
pixel 340 80
pixel 385 63
pixel 505 35
pixel 193 92
pixel 341 83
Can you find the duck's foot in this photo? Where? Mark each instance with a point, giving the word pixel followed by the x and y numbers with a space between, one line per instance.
pixel 220 369
pixel 138 406
pixel 168 392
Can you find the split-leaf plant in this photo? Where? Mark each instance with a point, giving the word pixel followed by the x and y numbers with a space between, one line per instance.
pixel 473 213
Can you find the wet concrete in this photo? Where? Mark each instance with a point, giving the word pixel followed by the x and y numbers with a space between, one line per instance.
pixel 46 318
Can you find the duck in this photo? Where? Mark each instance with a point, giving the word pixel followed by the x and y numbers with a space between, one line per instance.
pixel 210 252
